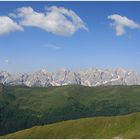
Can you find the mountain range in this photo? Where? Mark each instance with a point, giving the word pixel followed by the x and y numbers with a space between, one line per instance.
pixel 88 77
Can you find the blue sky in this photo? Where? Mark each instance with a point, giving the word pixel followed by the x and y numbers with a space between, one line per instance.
pixel 93 42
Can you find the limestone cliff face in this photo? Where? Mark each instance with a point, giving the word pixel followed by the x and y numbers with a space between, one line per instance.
pixel 88 77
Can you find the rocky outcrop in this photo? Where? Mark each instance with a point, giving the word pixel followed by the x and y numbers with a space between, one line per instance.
pixel 88 77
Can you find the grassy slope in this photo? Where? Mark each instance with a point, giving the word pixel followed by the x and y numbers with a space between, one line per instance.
pixel 37 106
pixel 127 126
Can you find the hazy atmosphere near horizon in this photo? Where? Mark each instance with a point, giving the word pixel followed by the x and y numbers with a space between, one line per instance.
pixel 76 35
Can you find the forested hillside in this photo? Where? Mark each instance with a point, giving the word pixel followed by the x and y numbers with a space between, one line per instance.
pixel 23 107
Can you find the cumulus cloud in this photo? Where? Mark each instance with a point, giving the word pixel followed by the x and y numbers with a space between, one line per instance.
pixel 7 25
pixel 57 20
pixel 122 22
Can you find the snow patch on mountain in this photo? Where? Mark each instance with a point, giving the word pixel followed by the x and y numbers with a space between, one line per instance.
pixel 88 77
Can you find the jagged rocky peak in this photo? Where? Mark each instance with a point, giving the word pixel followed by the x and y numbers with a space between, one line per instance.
pixel 44 71
pixel 63 70
pixel 64 76
pixel 4 76
pixel 4 73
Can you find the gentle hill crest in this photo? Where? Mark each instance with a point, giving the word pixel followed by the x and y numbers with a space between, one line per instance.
pixel 127 126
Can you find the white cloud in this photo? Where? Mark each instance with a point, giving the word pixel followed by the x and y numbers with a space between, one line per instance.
pixel 121 22
pixel 7 25
pixel 12 15
pixel 57 20
pixel 52 46
pixel 6 61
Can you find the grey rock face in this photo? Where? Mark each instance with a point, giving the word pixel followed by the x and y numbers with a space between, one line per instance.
pixel 88 77
pixel 65 77
pixel 4 76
